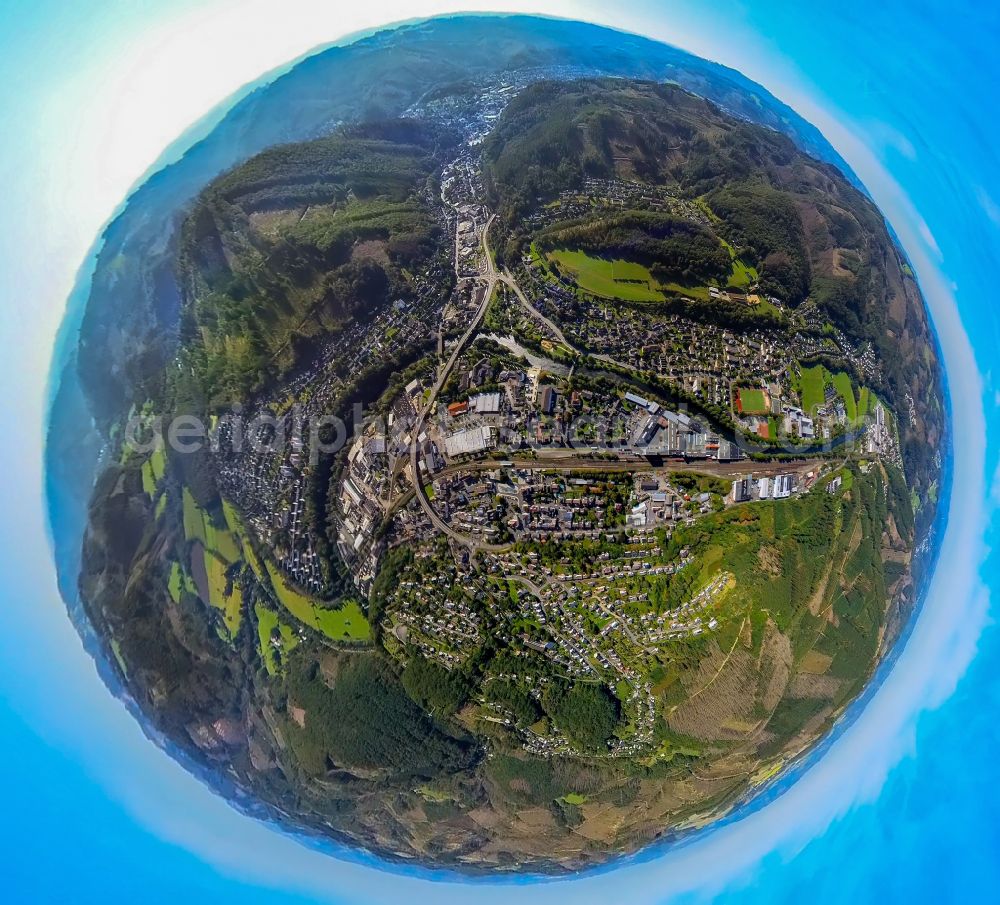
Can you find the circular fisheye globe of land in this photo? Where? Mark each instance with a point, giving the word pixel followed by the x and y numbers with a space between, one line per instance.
pixel 513 442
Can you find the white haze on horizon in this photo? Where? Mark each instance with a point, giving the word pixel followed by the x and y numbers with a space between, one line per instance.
pixel 90 138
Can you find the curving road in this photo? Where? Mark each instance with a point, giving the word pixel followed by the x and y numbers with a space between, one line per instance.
pixel 490 277
pixel 563 461
pixel 508 278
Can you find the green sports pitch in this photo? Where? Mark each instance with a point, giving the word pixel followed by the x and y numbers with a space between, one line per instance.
pixel 753 402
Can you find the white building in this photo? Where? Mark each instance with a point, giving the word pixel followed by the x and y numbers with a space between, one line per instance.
pixel 469 441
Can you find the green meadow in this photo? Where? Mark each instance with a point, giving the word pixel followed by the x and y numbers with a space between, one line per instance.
pixel 268 623
pixel 198 525
pixel 743 274
pixel 842 384
pixel 813 383
pixel 618 279
pixel 348 623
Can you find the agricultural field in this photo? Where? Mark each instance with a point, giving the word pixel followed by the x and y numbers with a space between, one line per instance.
pixel 148 481
pixel 194 522
pixel 239 532
pixel 813 385
pixel 153 470
pixel 618 279
pixel 158 464
pixel 764 306
pixel 743 275
pixel 214 550
pixel 231 606
pixel 198 525
pixel 866 402
pixel 179 582
pixel 699 293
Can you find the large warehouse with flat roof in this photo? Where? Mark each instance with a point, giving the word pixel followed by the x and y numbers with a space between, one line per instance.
pixel 468 441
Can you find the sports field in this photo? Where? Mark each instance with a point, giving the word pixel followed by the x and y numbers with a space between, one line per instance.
pixel 753 402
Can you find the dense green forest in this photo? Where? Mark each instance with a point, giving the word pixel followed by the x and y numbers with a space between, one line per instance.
pixel 766 223
pixel 586 713
pixel 364 718
pixel 295 244
pixel 438 690
pixel 516 700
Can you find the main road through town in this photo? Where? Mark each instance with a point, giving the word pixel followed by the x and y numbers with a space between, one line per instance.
pixel 489 277
pixel 563 460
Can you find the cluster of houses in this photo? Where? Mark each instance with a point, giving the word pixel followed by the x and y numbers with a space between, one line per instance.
pixel 521 503
pixel 442 625
pixel 361 505
pixel 530 407
pixel 703 358
pixel 527 503
pixel 267 482
pixel 623 194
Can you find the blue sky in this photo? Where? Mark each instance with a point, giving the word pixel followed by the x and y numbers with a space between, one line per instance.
pixel 90 95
